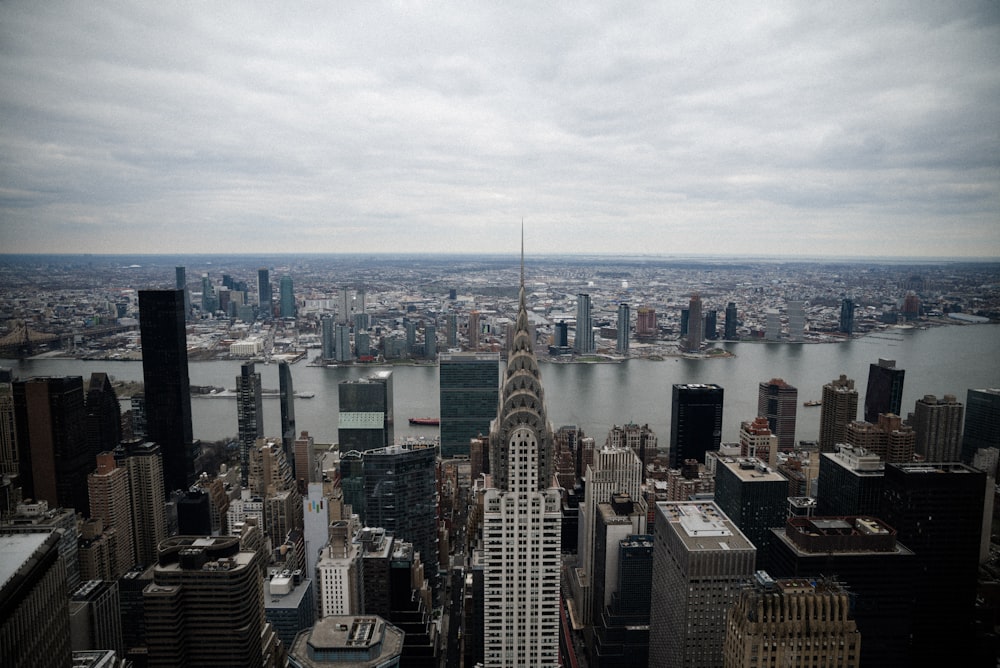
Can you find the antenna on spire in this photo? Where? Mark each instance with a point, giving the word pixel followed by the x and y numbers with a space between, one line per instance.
pixel 522 251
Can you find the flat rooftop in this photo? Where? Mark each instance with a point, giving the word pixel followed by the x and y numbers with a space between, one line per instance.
pixel 702 526
pixel 16 550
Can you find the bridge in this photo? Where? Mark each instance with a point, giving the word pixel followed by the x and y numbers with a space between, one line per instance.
pixel 22 341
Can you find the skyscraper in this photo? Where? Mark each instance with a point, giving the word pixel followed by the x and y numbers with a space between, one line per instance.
pixel 621 637
pixel 701 560
pixel 8 431
pixel 755 498
pixel 777 401
pixel 104 415
pixel 583 343
pixel 110 500
pixel 521 519
pixel 696 325
pixel 265 309
pixel 850 483
pixel 144 462
pixel 796 319
pixel 469 390
pixel 731 321
pixel 287 397
pixel 366 416
pixel 885 390
pixel 623 324
pixel 181 284
pixel 167 387
pixel 695 422
pixel 938 427
pixel 982 421
pixel 249 414
pixel 53 455
pixel 645 322
pixel 711 325
pixel 846 316
pixel 207 606
pixel 344 312
pixel 287 297
pixel 329 337
pixel 840 406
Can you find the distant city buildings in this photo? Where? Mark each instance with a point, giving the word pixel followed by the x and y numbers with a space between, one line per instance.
pixel 584 341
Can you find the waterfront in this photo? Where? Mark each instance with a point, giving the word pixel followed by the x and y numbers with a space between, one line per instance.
pixel 939 360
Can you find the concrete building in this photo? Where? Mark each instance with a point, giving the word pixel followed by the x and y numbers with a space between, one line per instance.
pixel 850 482
pixel 701 560
pixel 348 641
pixel 754 497
pixel 757 441
pixel 111 500
pixel 289 605
pixel 840 406
pixel 95 618
pixel 621 345
pixel 146 481
pixel 937 424
pixel 889 438
pixel 38 518
pixel 795 310
pixel 778 402
pixel 696 326
pixel 583 343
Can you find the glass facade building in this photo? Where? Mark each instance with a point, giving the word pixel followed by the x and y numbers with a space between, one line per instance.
pixel 469 391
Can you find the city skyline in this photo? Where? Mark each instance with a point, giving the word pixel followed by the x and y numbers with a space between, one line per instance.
pixel 788 130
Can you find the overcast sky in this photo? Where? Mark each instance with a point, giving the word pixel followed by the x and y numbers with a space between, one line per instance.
pixel 799 128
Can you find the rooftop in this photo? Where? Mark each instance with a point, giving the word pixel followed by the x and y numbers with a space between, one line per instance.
pixel 16 550
pixel 702 526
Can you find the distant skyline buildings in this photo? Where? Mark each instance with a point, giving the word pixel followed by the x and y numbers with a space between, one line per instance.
pixel 583 342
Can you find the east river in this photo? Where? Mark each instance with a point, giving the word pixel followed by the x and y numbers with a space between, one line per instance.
pixel 940 360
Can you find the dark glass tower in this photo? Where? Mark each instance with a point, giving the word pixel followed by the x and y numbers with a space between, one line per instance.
pixel 847 316
pixel 777 401
pixel 264 293
pixel 104 416
pixel 167 386
pixel 287 297
pixel 982 422
pixel 365 421
pixel 249 414
pixel 288 434
pixel 731 324
pixel 695 422
pixel 470 389
pixel 885 390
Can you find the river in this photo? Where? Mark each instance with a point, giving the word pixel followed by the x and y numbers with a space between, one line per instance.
pixel 940 360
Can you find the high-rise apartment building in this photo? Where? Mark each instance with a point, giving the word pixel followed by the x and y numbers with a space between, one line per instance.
pixel 264 294
pixel 885 390
pixel 104 416
pixel 777 401
pixel 846 316
pixel 890 439
pixel 796 319
pixel 937 424
pixel 937 511
pixel 53 456
pixel 840 406
pixel 166 384
pixel 701 560
pixel 754 497
pixel 366 418
pixel 711 325
pixel 342 343
pixel 34 603
pixel 474 330
pixel 982 421
pixel 583 343
pixel 850 483
pixel 695 422
pixel 287 296
pixel 144 463
pixel 696 325
pixel 249 414
pixel 521 519
pixel 209 302
pixel 645 322
pixel 206 606
pixel 757 441
pixel 345 310
pixel 328 337
pixel 621 346
pixel 111 501
pixel 286 395
pixel 469 390
pixel 732 322
pixel 792 622
pixel 772 325
pixel 638 438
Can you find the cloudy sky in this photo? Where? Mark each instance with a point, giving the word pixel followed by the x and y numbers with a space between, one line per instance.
pixel 799 128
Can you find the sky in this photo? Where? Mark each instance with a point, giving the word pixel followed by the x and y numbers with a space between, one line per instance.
pixel 662 128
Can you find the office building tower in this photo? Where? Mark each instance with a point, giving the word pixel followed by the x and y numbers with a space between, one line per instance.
pixel 696 326
pixel 133 617
pixel 110 500
pixel 695 422
pixel 144 463
pixel 206 606
pixel 757 441
pixel 792 622
pixel 338 581
pixel 104 416
pixel 645 323
pixel 166 384
pixel 94 617
pixel 864 555
pixel 305 460
pixel 621 636
pixel 521 519
pixel 289 605
pixel 846 316
pixel 287 292
pixel 209 302
pixel 616 520
pixel 701 560
pixel 37 518
pixel 96 550
pixel 583 342
pixel 194 513
pixel 561 335
pixel 286 395
pixel 363 346
pixel 320 509
pixel 711 325
pixel 344 310
pixel 885 390
pixel 621 346
pixel 755 498
pixel 850 483
pixel 840 406
pixel 9 459
pixel 34 602
pixel 342 346
pixel 937 424
pixel 264 308
pixel 137 405
pixel 54 459
pixel 937 510
pixel 328 337
pixel 796 320
pixel 474 330
pixel 732 322
pixel 348 641
pixel 685 322
pixel 982 421
pixel 430 341
pixel 352 481
pixel 366 419
pixel 890 439
pixel 249 414
pixel 777 401
pixel 469 390
pixel 451 330
pixel 181 284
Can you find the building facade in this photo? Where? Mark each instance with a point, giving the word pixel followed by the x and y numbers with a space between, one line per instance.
pixel 469 390
pixel 840 406
pixel 249 414
pixel 695 422
pixel 778 402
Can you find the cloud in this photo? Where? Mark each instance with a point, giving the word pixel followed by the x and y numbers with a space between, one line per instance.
pixel 627 127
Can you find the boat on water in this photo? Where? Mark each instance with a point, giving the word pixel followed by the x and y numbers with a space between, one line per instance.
pixel 425 421
pixel 814 402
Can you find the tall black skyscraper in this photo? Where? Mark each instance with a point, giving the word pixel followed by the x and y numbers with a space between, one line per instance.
pixel 366 419
pixel 695 422
pixel 847 316
pixel 167 386
pixel 288 434
pixel 104 416
pixel 982 422
pixel 470 389
pixel 885 390
pixel 731 323
pixel 264 294
pixel 249 414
